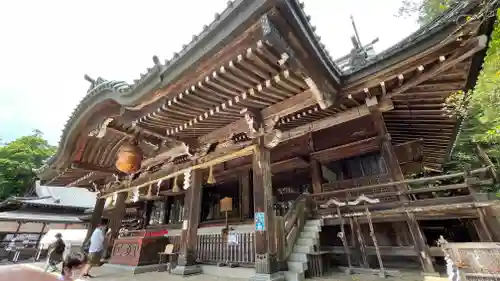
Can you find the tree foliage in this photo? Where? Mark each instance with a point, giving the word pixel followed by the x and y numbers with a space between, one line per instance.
pixel 17 161
pixel 426 10
pixel 480 109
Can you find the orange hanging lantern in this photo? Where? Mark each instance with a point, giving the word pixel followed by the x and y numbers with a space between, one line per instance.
pixel 129 158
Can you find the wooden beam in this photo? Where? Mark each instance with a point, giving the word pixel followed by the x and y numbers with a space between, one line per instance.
pixel 471 47
pixel 339 118
pixel 94 168
pixel 347 150
pixel 281 109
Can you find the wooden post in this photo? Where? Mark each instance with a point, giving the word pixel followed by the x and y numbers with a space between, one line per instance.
pixel 244 184
pixel 189 233
pixel 96 217
pixel 421 247
pixel 361 243
pixel 391 160
pixel 382 272
pixel 281 242
pixel 343 238
pixel 266 263
pixel 486 233
pixel 315 170
pixel 117 215
pixel 316 177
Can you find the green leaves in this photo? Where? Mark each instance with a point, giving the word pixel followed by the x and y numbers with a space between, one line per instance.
pixel 17 161
pixel 426 10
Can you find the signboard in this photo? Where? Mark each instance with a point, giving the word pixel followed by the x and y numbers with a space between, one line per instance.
pixel 226 204
pixel 260 223
pixel 232 238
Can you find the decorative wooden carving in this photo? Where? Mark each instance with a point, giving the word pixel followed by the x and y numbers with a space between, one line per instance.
pixel 129 158
pixel 258 127
pixel 100 131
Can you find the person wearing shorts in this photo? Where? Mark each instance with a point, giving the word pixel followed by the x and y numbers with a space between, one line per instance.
pixel 96 248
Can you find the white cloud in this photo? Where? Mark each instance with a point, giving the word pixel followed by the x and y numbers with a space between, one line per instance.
pixel 47 46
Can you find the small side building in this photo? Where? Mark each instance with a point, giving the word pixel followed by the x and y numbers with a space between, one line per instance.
pixel 26 219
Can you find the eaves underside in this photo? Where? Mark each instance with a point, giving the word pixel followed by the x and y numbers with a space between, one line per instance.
pixel 227 23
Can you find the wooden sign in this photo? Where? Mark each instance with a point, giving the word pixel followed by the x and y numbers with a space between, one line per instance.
pixel 226 204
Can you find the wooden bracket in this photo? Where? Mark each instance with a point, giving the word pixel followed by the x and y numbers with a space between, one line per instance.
pixel 321 93
pixel 100 131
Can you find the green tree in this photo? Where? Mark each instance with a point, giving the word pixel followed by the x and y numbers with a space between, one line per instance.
pixel 17 161
pixel 426 10
pixel 480 110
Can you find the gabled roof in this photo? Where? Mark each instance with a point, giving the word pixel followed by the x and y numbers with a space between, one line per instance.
pixel 110 98
pixel 71 199
pixel 65 196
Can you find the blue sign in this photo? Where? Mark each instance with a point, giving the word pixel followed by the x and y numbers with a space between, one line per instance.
pixel 260 222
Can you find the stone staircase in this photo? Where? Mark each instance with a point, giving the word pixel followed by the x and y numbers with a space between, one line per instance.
pixel 307 242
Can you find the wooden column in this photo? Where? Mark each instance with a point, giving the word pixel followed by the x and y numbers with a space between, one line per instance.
pixel 96 217
pixel 316 177
pixel 394 169
pixel 244 185
pixel 189 233
pixel 118 213
pixel 266 263
pixel 315 170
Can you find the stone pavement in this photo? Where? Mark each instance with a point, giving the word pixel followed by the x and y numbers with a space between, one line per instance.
pixel 33 272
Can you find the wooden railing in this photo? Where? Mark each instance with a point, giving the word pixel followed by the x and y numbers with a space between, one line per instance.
pixel 289 226
pixel 357 182
pixel 212 248
pixel 466 187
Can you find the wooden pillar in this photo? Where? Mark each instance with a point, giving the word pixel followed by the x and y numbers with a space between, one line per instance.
pixel 96 217
pixel 244 185
pixel 189 233
pixel 394 169
pixel 118 213
pixel 485 230
pixel 148 208
pixel 315 170
pixel 359 242
pixel 316 177
pixel 266 263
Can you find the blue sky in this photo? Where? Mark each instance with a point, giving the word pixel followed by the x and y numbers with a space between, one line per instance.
pixel 47 46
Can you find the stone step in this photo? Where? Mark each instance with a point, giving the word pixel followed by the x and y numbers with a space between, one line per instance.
pixel 307 241
pixel 297 266
pixel 304 234
pixel 317 222
pixel 294 276
pixel 312 228
pixel 298 257
pixel 306 249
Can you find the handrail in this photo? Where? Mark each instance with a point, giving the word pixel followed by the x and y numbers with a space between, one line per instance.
pixel 403 182
pixel 289 226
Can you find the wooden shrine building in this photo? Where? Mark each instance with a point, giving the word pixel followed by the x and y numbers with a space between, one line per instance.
pixel 254 122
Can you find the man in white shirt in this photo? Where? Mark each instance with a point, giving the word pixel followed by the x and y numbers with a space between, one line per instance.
pixel 96 248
